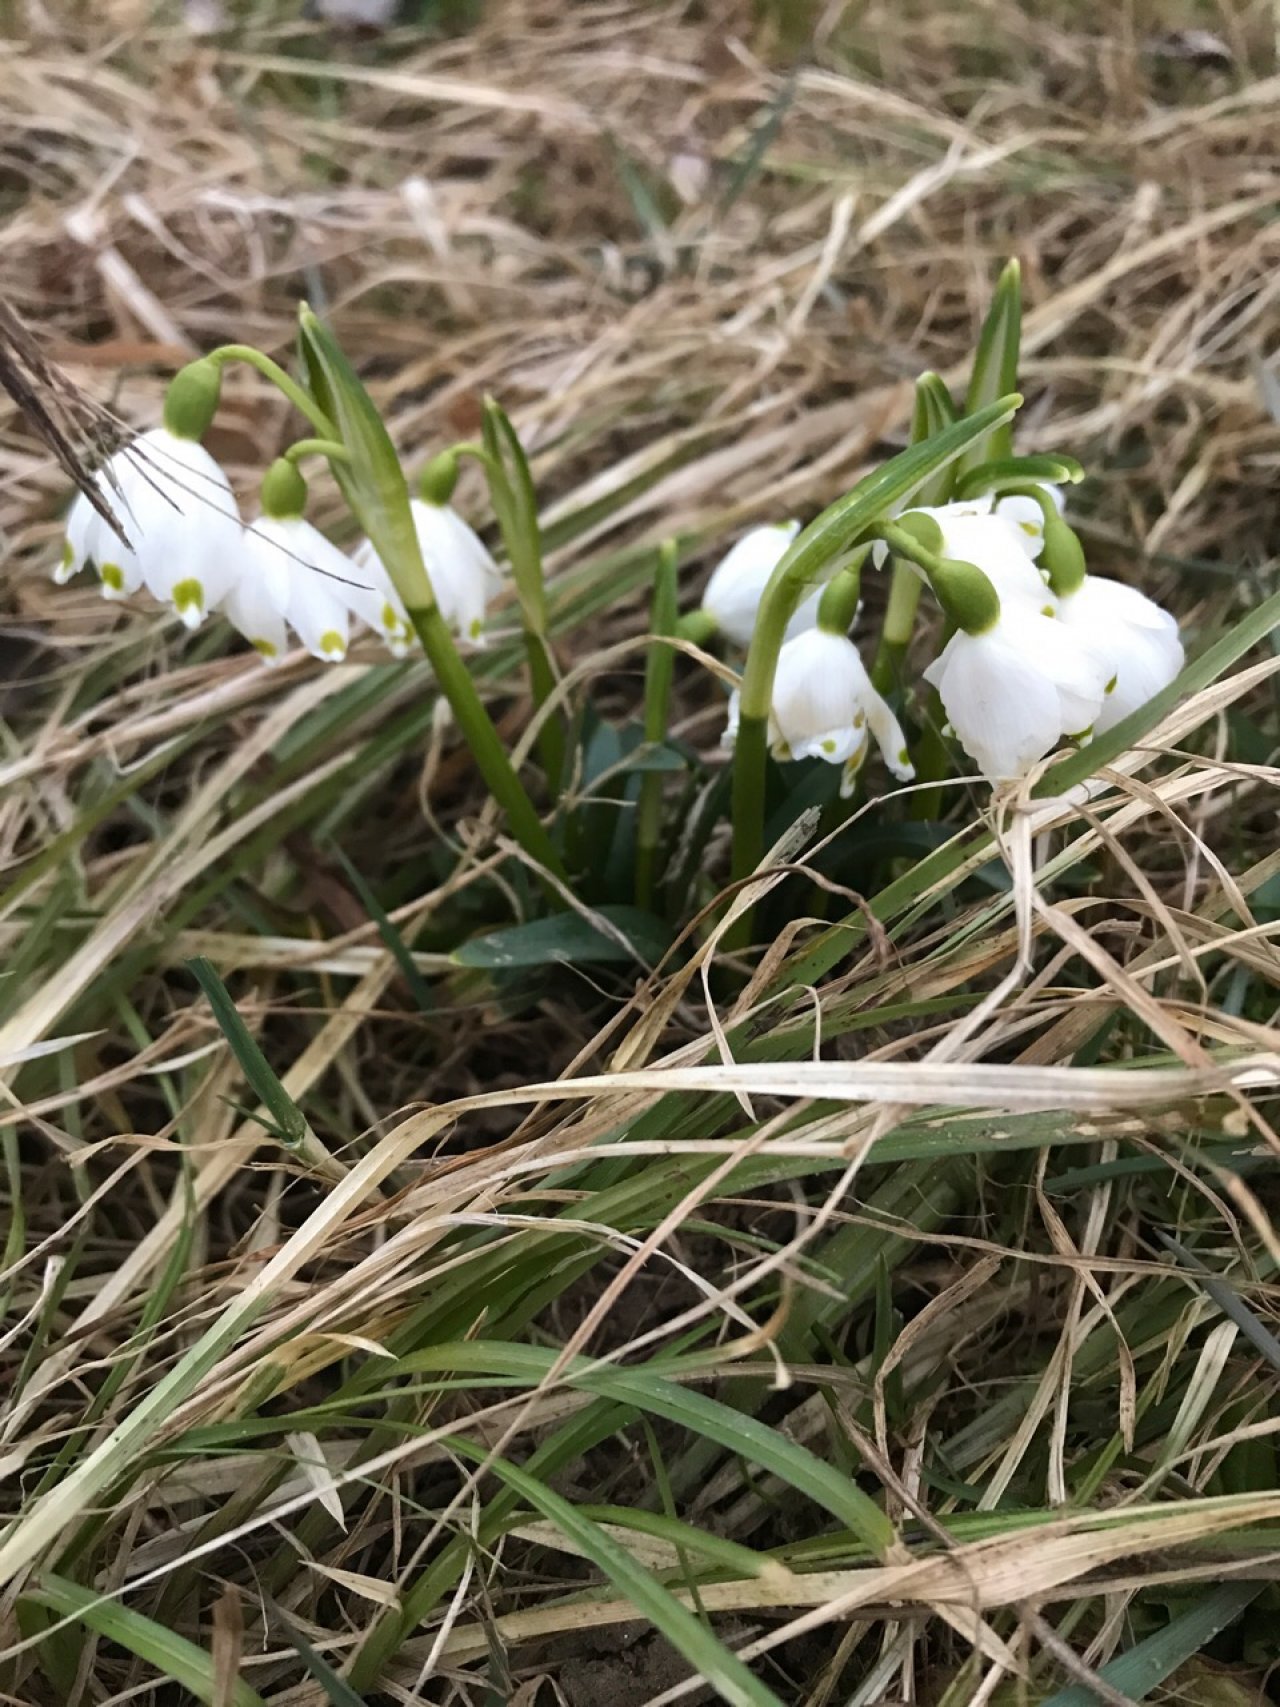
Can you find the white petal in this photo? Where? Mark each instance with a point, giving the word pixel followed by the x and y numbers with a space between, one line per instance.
pixel 83 523
pixel 182 517
pixel 463 575
pixel 307 578
pixel 738 582
pixel 249 608
pixel 375 601
pixel 1005 711
pixel 889 737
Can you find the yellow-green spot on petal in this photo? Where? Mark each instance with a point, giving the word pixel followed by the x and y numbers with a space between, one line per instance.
pixel 1030 528
pixel 828 746
pixel 112 576
pixel 265 648
pixel 904 757
pixel 188 596
pixel 1111 685
pixel 476 629
pixel 859 718
pixel 389 620
pixel 332 644
pixel 68 554
pixel 1047 610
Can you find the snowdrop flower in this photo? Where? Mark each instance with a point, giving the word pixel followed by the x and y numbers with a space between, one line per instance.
pixel 179 511
pixel 1013 691
pixel 290 576
pixel 1133 640
pixel 824 707
pixel 972 533
pixel 463 575
pixel 738 582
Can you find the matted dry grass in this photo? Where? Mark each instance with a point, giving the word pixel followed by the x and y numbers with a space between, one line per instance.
pixel 676 248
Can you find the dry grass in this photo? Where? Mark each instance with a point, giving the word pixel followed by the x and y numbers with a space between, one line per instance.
pixel 372 1405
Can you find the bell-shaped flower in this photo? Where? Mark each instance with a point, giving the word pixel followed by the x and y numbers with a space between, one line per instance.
pixel 181 516
pixel 1015 690
pixel 824 707
pixel 463 575
pixel 738 582
pixel 973 533
pixel 292 577
pixel 1133 640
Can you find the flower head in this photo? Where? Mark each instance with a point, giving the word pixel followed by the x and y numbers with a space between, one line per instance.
pixel 973 533
pixel 738 582
pixel 1013 692
pixel 463 575
pixel 183 524
pixel 1133 640
pixel 824 707
pixel 291 577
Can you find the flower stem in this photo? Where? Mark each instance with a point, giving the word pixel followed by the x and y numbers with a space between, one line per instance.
pixel 331 448
pixel 899 625
pixel 481 736
pixel 301 399
pixel 659 670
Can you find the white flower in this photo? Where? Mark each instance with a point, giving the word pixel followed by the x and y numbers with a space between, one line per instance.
pixel 375 601
pixel 178 509
pixel 291 577
pixel 463 575
pixel 738 582
pixel 997 545
pixel 824 706
pixel 1026 514
pixel 1012 693
pixel 1133 640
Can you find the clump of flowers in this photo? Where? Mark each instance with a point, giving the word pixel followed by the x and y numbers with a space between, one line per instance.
pixel 1033 651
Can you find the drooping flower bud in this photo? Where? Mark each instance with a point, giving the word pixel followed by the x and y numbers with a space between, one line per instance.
pixel 192 399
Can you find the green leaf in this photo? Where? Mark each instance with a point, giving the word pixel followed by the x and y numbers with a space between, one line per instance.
pixel 372 480
pixel 820 545
pixel 1011 470
pixel 172 1656
pixel 337 1689
pixel 1146 1665
pixel 258 1071
pixel 995 366
pixel 688 1635
pixel 387 931
pixel 647 1391
pixel 934 412
pixel 570 939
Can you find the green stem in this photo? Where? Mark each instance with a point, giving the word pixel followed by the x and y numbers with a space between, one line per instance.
pixel 331 448
pixel 698 627
pixel 302 400
pixel 962 589
pixel 899 625
pixel 838 605
pixel 659 670
pixel 481 736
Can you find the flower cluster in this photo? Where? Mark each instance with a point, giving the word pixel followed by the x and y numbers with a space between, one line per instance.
pixel 1066 655
pixel 189 547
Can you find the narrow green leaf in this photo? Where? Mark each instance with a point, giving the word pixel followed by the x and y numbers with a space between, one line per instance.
pixel 646 1391
pixel 172 1656
pixel 989 476
pixel 934 412
pixel 570 939
pixel 1228 1301
pixel 387 931
pixel 684 1537
pixel 706 1654
pixel 1146 1665
pixel 259 1074
pixel 762 139
pixel 995 365
pixel 337 1689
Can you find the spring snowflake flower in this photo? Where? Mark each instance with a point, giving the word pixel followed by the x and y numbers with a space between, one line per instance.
pixel 997 544
pixel 738 582
pixel 1014 691
pixel 183 523
pixel 1133 640
pixel 292 577
pixel 1027 516
pixel 824 707
pixel 376 602
pixel 463 575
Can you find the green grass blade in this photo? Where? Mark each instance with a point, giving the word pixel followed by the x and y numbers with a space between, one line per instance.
pixel 1146 1665
pixel 691 1638
pixel 171 1655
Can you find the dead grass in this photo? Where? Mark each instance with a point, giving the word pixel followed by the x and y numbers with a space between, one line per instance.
pixel 266 1400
